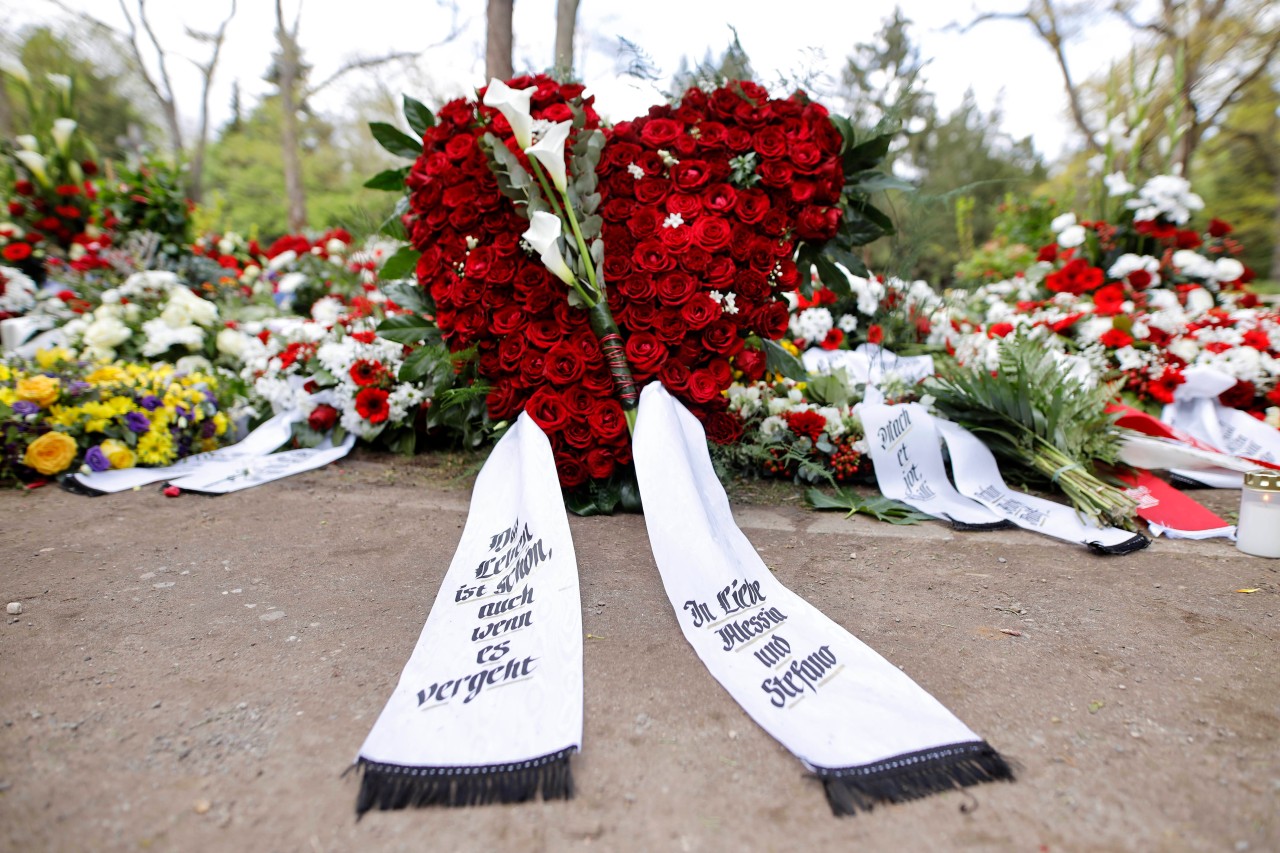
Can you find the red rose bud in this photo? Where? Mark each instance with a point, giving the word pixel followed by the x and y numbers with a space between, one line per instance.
pixel 172 491
pixel 24 188
pixel 875 334
pixel 322 418
pixel 1218 228
pixel 16 208
pixel 89 167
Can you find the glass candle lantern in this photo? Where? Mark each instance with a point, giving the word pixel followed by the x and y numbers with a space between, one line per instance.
pixel 1258 530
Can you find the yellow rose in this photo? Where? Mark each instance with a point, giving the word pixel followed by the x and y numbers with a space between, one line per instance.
pixel 51 453
pixel 118 454
pixel 41 390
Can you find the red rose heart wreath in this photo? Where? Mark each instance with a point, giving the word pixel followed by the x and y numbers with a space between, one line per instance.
pixel 702 204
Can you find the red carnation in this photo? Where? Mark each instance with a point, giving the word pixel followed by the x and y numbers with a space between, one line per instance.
pixel 875 334
pixel 371 403
pixel 995 330
pixel 1108 301
pixel 1115 338
pixel 1218 228
pixel 16 251
pixel 807 424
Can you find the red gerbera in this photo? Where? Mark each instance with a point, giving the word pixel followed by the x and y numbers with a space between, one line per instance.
pixel 808 424
pixel 366 371
pixel 371 403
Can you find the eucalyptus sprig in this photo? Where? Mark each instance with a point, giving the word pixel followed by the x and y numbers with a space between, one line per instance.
pixel 1052 428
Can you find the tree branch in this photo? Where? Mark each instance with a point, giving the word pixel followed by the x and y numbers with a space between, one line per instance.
pixel 359 65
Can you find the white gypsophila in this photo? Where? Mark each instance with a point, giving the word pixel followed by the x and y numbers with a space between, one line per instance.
pixel 1090 330
pixel 1169 196
pixel 979 350
pixel 327 310
pixel 1117 184
pixel 847 323
pixel 1227 269
pixel 636 171
pixel 17 291
pixel 1193 264
pixel 773 425
pixel 834 419
pixel 1062 222
pixel 812 324
pixel 1001 312
pixel 404 398
pixel 1071 237
pixel 1129 262
pixel 1241 362
pixel 278 392
pixel 160 337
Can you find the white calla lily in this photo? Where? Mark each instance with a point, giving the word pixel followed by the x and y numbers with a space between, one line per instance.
pixel 514 106
pixel 15 69
pixel 543 234
pixel 27 142
pixel 61 82
pixel 35 164
pixel 549 151
pixel 62 130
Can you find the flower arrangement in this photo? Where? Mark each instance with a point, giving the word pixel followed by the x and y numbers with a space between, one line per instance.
pixel 903 316
pixel 59 414
pixel 685 224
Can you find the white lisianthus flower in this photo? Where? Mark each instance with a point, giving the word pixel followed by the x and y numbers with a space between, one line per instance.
pixel 1071 236
pixel 543 234
pixel 232 342
pixel 1062 222
pixel 1199 301
pixel 1192 263
pixel 772 425
pixel 105 333
pixel 549 151
pixel 514 106
pixel 1227 269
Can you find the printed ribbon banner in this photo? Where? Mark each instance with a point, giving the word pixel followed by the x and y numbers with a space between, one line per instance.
pixel 868 364
pixel 978 475
pixel 906 451
pixel 907 457
pixel 1195 410
pixel 859 723
pixel 489 706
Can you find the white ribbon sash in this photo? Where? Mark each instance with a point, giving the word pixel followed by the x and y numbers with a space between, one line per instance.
pixel 868 364
pixel 1195 410
pixel 905 451
pixel 857 721
pixel 489 706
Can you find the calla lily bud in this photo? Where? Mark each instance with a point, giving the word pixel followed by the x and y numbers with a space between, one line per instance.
pixel 62 130
pixel 514 106
pixel 543 235
pixel 549 151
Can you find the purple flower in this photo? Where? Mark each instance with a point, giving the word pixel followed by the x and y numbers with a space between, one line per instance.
pixel 25 407
pixel 151 402
pixel 137 422
pixel 77 387
pixel 96 459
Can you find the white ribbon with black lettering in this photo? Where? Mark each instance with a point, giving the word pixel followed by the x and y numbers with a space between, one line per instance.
pixel 907 456
pixel 978 476
pixel 857 721
pixel 869 364
pixel 1195 410
pixel 489 706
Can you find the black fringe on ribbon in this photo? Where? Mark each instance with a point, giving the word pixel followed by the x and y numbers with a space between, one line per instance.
pixel 1002 524
pixel 1128 546
pixel 911 776
pixel 393 786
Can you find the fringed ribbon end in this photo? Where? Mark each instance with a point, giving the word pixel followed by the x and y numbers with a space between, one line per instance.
pixel 912 776
pixel 1134 543
pixel 393 786
pixel 1002 524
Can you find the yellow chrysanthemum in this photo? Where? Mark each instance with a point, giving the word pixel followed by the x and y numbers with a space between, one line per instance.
pixel 107 373
pixel 48 358
pixel 8 396
pixel 220 422
pixel 64 416
pixel 155 448
pixel 5 373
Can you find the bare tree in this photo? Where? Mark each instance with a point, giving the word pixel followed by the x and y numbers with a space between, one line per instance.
pixel 566 25
pixel 1212 49
pixel 498 39
pixel 195 181
pixel 289 72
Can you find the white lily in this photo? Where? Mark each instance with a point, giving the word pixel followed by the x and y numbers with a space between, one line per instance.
pixel 549 151
pixel 35 163
pixel 543 234
pixel 514 106
pixel 62 130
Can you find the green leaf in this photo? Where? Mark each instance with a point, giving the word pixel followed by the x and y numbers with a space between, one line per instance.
pixel 401 264
pixel 405 328
pixel 780 361
pixel 835 280
pixel 418 116
pixel 876 506
pixel 406 294
pixel 872 181
pixel 417 366
pixel 830 388
pixel 402 441
pixel 395 140
pixel 390 180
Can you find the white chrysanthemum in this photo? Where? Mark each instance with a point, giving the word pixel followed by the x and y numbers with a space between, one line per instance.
pixel 327 310
pixel 161 337
pixel 1129 262
pixel 1227 269
pixel 1169 196
pixel 847 323
pixel 812 324
pixel 773 425
pixel 1062 222
pixel 1071 237
pixel 1118 184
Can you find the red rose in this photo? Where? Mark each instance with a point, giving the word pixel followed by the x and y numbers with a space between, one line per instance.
pixel 1239 396
pixel 322 418
pixel 645 352
pixel 712 233
pixel 703 387
pixel 722 337
pixel 700 311
pixel 675 288
pixel 1218 228
pixel 599 463
pixel 722 427
pixel 607 420
pixel 661 132
pixel 371 403
pixel 875 334
pixel 771 321
pixel 751 362
pixel 547 408
pixel 564 364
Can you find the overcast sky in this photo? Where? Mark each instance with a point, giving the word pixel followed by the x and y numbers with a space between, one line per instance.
pixel 1001 61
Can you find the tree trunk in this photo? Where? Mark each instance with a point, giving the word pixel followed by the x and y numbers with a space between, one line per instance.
pixel 497 57
pixel 288 63
pixel 1275 232
pixel 6 112
pixel 566 25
